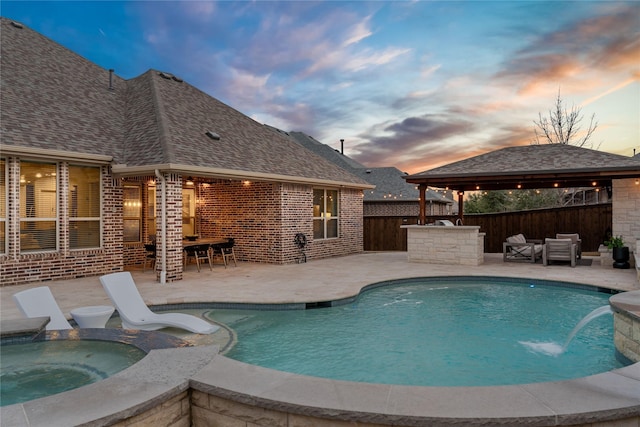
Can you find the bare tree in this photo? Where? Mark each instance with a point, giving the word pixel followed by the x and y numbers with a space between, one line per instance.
pixel 563 126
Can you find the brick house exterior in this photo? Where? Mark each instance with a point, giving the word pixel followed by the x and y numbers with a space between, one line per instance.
pixel 154 136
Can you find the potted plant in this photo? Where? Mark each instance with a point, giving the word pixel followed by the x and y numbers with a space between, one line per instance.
pixel 620 252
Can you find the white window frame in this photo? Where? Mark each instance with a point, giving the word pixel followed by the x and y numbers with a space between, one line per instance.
pixel 34 220
pixel 320 214
pixel 72 219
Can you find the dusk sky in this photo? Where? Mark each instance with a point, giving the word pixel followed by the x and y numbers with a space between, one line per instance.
pixel 407 84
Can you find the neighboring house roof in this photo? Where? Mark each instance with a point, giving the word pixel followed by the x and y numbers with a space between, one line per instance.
pixel 388 181
pixel 59 104
pixel 531 166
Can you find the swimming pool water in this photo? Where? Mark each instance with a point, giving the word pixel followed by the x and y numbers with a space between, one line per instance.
pixel 433 334
pixel 34 370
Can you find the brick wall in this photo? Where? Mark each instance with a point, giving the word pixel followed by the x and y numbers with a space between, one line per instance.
pixel 264 218
pixel 19 268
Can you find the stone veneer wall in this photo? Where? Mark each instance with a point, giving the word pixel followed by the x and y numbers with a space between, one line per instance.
pixel 208 410
pixel 626 211
pixel 626 335
pixel 174 412
pixel 445 245
pixel 19 268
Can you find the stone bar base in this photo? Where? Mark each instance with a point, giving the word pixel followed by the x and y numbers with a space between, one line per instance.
pixel 459 245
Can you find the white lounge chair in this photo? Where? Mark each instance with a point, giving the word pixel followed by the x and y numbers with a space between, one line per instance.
pixel 39 302
pixel 136 315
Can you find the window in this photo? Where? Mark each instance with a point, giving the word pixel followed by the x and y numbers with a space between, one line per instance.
pixel 325 214
pixel 131 212
pixel 3 207
pixel 151 212
pixel 84 207
pixel 38 206
pixel 188 212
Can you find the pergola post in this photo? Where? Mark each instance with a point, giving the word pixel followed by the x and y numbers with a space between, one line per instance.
pixel 461 206
pixel 422 189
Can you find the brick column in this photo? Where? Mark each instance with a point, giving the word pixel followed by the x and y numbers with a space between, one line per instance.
pixel 173 214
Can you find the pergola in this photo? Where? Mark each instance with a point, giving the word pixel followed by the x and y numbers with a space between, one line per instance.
pixel 527 167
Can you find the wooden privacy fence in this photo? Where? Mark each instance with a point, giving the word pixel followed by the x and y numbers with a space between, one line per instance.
pixel 592 222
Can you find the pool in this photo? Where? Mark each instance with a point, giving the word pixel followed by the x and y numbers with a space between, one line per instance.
pixel 59 361
pixel 436 332
pixel 34 370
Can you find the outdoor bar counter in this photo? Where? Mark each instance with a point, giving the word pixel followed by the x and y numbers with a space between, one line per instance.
pixel 452 245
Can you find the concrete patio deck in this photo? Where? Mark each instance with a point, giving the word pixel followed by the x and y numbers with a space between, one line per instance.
pixel 318 280
pixel 222 389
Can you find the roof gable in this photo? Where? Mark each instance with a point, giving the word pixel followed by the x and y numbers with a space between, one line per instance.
pixel 53 99
pixel 47 92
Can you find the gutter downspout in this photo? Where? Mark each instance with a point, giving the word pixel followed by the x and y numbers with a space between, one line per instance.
pixel 163 229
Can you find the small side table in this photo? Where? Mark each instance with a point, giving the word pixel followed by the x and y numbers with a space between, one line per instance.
pixel 94 316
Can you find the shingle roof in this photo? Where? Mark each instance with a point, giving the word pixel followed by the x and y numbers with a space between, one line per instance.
pixel 46 105
pixel 325 151
pixel 55 99
pixel 390 186
pixel 538 166
pixel 535 159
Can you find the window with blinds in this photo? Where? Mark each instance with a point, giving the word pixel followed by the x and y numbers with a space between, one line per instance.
pixel 84 207
pixel 38 206
pixel 132 212
pixel 3 207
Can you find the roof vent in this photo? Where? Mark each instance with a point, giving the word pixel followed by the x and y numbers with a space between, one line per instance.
pixel 17 24
pixel 368 171
pixel 165 75
pixel 212 135
pixel 177 79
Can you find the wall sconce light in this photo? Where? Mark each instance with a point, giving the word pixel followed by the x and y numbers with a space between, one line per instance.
pixel 637 181
pixel 190 180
